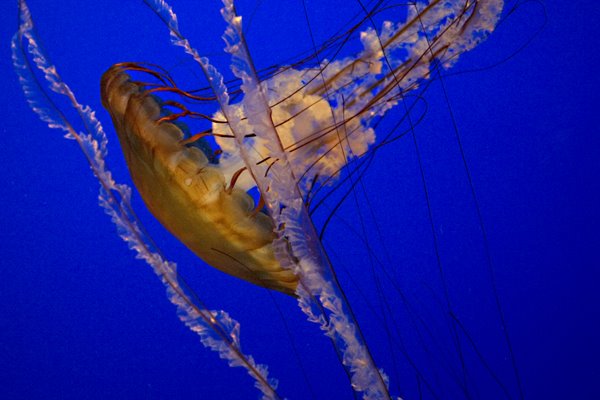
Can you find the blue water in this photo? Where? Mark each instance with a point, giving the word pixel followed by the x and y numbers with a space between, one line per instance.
pixel 80 318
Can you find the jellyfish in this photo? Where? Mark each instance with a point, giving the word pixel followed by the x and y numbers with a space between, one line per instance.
pixel 301 134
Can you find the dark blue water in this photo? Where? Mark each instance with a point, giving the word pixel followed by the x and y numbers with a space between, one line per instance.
pixel 80 318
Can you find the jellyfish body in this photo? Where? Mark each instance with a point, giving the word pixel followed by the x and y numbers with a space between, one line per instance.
pixel 187 194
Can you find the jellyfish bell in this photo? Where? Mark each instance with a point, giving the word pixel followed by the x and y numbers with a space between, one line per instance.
pixel 186 193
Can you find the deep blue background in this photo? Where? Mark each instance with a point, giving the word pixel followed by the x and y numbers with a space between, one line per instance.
pixel 81 318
